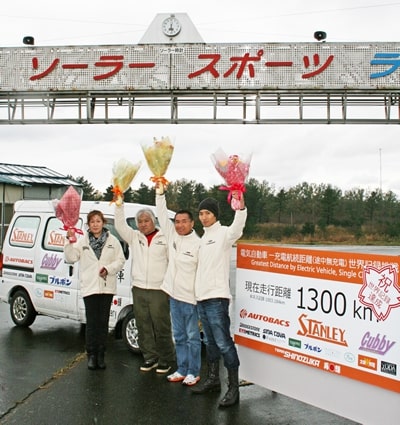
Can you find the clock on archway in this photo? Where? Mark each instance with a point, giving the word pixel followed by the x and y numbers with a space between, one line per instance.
pixel 171 26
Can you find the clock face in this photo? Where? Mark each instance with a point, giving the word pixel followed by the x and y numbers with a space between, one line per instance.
pixel 171 26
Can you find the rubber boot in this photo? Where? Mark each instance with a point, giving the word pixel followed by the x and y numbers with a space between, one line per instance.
pixel 92 361
pixel 100 359
pixel 212 382
pixel 232 395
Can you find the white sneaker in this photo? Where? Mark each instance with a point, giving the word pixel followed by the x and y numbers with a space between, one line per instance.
pixel 175 377
pixel 191 380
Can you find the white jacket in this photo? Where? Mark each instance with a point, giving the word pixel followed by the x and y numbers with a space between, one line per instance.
pixel 112 258
pixel 183 255
pixel 149 263
pixel 212 279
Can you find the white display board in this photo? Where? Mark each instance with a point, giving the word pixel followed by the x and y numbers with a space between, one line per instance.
pixel 322 327
pixel 191 66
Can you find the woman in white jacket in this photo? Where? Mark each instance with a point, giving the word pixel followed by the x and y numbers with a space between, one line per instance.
pixel 101 258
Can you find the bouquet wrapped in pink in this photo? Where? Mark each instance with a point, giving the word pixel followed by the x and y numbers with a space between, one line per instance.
pixel 234 169
pixel 123 174
pixel 158 156
pixel 67 211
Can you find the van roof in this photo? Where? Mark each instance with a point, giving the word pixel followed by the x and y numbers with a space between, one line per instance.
pixel 47 206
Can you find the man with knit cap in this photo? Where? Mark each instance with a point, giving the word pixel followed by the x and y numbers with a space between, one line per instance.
pixel 213 295
pixel 210 204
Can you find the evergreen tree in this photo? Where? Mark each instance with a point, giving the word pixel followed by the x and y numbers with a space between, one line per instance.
pixel 329 202
pixel 144 195
pixel 89 193
pixel 302 206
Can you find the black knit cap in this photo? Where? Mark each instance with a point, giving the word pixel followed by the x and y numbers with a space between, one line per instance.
pixel 210 204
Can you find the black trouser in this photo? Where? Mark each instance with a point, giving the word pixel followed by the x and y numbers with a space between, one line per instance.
pixel 153 320
pixel 97 308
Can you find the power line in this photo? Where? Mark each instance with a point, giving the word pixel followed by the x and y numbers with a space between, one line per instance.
pixel 308 12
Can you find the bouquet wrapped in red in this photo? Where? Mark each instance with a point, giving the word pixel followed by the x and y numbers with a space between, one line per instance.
pixel 158 156
pixel 234 169
pixel 123 174
pixel 67 211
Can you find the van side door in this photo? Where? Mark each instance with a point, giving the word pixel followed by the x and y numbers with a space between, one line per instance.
pixel 57 282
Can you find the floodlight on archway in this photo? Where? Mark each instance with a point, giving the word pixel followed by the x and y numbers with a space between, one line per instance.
pixel 28 40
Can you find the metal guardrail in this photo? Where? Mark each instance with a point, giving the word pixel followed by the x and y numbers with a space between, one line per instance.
pixel 201 107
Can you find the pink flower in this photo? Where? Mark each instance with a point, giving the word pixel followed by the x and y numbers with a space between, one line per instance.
pixel 234 169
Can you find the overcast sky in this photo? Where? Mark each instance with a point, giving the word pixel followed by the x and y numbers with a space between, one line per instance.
pixel 346 156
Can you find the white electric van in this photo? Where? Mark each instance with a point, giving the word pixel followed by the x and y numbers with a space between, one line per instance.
pixel 36 280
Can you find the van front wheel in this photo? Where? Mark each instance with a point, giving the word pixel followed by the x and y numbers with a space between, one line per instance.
pixel 21 309
pixel 130 333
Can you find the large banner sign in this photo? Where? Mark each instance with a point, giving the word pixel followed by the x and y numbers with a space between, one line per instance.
pixel 250 66
pixel 335 311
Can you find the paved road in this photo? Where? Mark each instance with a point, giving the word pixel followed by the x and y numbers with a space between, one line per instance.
pixel 44 381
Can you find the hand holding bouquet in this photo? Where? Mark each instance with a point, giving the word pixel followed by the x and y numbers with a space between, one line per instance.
pixel 158 156
pixel 234 169
pixel 67 211
pixel 123 174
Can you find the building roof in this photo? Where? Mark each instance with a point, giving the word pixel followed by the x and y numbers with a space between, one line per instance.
pixel 29 175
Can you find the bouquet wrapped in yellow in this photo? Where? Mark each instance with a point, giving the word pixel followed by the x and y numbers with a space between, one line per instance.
pixel 123 174
pixel 158 156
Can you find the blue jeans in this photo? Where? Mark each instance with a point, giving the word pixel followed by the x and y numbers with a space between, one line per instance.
pixel 214 316
pixel 185 325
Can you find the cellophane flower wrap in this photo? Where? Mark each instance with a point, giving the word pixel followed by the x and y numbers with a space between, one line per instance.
pixel 234 169
pixel 158 156
pixel 67 210
pixel 123 172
